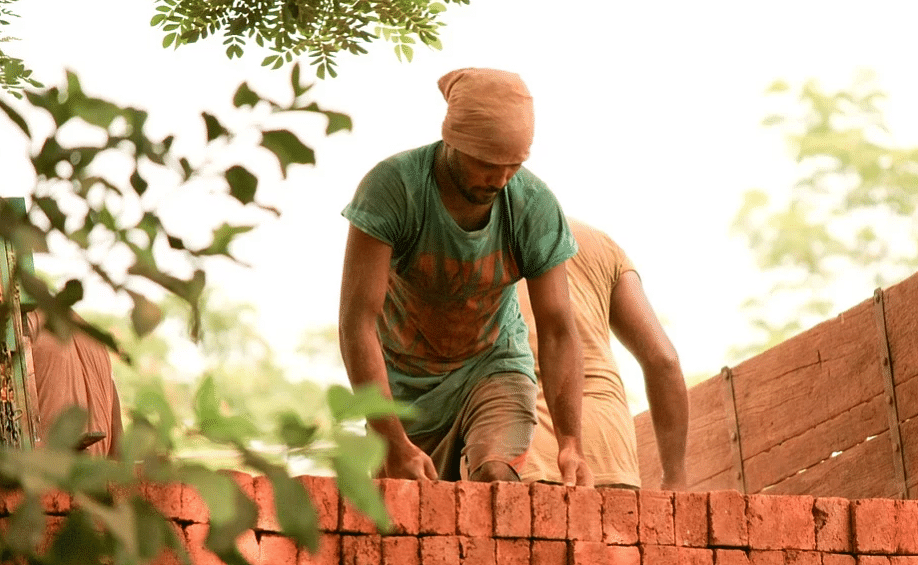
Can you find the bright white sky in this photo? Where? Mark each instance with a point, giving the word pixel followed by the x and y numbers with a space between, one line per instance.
pixel 647 126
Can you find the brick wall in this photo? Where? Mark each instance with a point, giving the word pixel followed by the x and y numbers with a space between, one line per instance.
pixel 464 523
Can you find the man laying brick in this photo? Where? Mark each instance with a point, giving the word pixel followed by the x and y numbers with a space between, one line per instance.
pixel 606 293
pixel 439 236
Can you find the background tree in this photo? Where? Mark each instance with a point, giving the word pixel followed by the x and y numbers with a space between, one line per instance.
pixel 292 28
pixel 846 226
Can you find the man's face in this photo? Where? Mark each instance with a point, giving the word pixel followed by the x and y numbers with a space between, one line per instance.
pixel 478 182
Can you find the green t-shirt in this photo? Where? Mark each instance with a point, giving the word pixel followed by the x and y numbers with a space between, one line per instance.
pixel 451 315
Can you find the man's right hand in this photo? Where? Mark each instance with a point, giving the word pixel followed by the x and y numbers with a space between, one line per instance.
pixel 409 462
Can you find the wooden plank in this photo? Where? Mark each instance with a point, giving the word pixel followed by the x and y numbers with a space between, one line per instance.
pixel 841 433
pixel 797 385
pixel 901 308
pixel 864 471
pixel 707 449
pixel 725 480
pixel 909 431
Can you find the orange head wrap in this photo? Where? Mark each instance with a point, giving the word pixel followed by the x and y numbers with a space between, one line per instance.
pixel 489 115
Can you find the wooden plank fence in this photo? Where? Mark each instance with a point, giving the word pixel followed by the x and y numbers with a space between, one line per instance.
pixel 829 412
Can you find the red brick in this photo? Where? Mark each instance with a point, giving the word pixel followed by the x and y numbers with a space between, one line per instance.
pixel 477 551
pixel 264 499
pixel 659 554
pixel 730 557
pixel 623 555
pixel 473 509
pixel 795 557
pixel 549 552
pixel 781 522
pixel 512 511
pixel 656 517
pixel 511 551
pixel 361 550
pixel 903 560
pixel 401 550
pixel 872 560
pixel 833 524
pixel 837 559
pixel 275 549
pixel 549 520
pixel 440 550
pixel 766 557
pixel 584 514
pixel 56 502
pixel 244 481
pixel 907 527
pixel 874 525
pixel 695 556
pixel 691 519
pixel 196 534
pixel 10 499
pixel 437 507
pixel 402 501
pixel 619 516
pixel 587 553
pixel 325 498
pixel 329 552
pixel 167 498
pixel 727 513
pixel 53 526
pixel 354 521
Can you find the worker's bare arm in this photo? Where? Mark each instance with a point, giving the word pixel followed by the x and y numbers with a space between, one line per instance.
pixel 363 292
pixel 561 364
pixel 635 324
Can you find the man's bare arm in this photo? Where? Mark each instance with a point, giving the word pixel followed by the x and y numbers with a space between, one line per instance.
pixel 561 367
pixel 637 327
pixel 363 292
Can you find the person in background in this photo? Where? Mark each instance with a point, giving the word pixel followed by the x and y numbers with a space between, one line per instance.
pixel 439 236
pixel 606 293
pixel 78 372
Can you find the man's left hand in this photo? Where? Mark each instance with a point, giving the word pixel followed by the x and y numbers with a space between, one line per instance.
pixel 573 467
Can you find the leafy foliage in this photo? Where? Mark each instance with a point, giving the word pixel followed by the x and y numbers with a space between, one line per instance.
pixel 113 520
pixel 289 28
pixel 117 212
pixel 14 75
pixel 847 225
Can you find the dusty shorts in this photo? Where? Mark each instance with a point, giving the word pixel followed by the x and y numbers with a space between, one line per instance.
pixel 496 423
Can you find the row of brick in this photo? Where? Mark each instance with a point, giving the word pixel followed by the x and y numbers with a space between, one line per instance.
pixel 721 521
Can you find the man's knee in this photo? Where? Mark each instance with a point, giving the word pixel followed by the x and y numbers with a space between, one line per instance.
pixel 490 471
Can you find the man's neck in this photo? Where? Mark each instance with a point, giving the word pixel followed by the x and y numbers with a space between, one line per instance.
pixel 469 216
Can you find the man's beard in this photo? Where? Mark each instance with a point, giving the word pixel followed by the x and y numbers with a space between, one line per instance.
pixel 455 174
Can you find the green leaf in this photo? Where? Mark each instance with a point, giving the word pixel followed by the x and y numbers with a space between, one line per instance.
pixel 358 457
pixel 295 511
pixel 157 19
pixel 71 293
pixel 288 149
pixel 245 96
pixel 214 128
pixel 67 428
pixel 52 211
pixel 15 117
pixel 365 402
pixel 26 527
pixel 95 111
pixel 337 122
pixel 214 425
pixel 223 237
pixel 231 511
pixel 242 183
pixel 145 315
pixel 79 541
pixel 293 432
pixel 138 183
pixel 168 39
